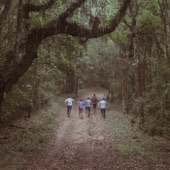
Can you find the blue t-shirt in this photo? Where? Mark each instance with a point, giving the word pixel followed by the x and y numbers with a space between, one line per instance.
pixel 81 104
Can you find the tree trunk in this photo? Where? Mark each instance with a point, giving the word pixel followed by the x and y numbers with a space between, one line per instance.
pixel 13 71
pixel 71 83
pixel 125 93
pixel 77 83
pixel 4 13
pixel 18 32
pixel 1 97
pixel 165 13
pixel 140 89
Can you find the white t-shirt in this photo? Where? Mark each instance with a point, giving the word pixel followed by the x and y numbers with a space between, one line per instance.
pixel 88 103
pixel 102 104
pixel 69 101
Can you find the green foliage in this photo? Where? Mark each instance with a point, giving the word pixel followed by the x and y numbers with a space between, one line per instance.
pixel 111 61
pixel 149 24
pixel 17 103
pixel 31 138
pixel 121 36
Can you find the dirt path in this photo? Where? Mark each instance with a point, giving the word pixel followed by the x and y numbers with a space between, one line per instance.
pixel 88 144
pixel 83 143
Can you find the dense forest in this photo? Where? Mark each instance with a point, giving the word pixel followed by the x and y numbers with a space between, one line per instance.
pixel 50 47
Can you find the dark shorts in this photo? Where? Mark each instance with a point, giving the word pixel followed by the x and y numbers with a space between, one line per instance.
pixel 80 109
pixel 88 109
pixel 94 105
pixel 69 107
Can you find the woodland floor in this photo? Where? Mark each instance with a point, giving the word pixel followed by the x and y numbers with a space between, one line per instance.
pixel 90 143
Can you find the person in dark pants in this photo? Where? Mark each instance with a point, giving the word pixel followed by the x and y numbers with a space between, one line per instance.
pixel 80 107
pixel 102 105
pixel 94 101
pixel 88 106
pixel 69 102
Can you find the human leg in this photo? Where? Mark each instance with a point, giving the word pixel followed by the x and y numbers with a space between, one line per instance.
pixel 81 113
pixel 88 111
pixel 94 108
pixel 104 115
pixel 103 112
pixel 69 110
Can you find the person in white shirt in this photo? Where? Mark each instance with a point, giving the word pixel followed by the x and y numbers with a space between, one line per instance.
pixel 88 104
pixel 69 103
pixel 102 105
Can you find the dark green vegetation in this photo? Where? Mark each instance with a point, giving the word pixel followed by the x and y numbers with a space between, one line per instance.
pixel 48 48
pixel 142 151
pixel 23 143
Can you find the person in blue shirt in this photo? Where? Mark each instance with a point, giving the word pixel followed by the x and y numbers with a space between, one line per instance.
pixel 81 107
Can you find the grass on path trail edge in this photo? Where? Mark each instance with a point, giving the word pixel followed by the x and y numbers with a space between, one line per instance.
pixel 26 140
pixel 132 142
pixel 26 143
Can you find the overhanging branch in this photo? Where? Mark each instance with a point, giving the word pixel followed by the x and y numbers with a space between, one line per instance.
pixel 77 30
pixel 62 26
pixel 15 70
pixel 71 9
pixel 27 8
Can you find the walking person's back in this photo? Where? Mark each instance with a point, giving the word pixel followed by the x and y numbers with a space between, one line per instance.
pixel 69 101
pixel 94 101
pixel 81 106
pixel 88 105
pixel 102 105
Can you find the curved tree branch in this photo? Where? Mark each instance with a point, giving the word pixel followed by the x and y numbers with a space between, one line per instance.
pixel 71 9
pixel 62 26
pixel 27 8
pixel 14 71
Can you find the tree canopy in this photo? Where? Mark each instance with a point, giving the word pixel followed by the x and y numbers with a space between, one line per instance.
pixel 56 46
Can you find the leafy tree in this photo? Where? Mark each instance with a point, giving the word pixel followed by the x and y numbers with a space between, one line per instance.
pixel 30 35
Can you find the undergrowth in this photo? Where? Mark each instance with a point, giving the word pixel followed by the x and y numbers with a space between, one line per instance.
pixel 27 138
pixel 130 140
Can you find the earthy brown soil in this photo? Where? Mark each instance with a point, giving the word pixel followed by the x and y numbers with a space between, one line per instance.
pixel 88 144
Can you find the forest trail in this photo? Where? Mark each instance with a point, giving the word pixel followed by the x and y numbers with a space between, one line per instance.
pixel 83 143
pixel 88 144
pixel 91 143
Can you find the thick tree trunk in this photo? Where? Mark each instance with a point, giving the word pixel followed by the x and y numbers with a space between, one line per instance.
pixel 1 97
pixel 13 71
pixel 165 13
pixel 125 90
pixel 140 88
pixel 77 83
pixel 133 12
pixel 71 83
